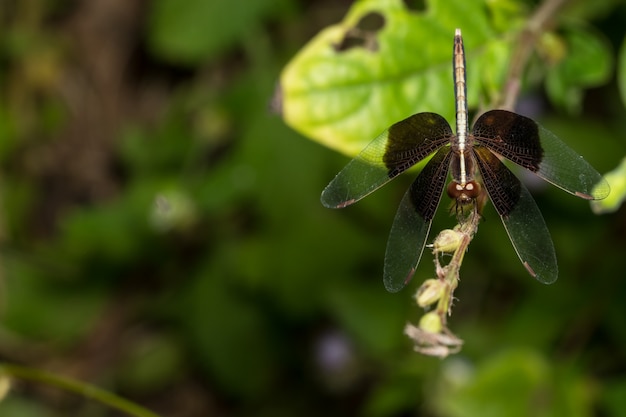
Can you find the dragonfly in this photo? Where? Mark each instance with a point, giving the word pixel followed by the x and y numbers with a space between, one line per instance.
pixel 474 161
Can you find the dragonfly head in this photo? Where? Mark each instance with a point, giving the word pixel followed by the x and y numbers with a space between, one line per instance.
pixel 464 193
pixel 470 194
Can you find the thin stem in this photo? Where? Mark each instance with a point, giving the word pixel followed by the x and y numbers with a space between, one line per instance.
pixel 535 26
pixel 77 387
pixel 432 337
pixel 467 229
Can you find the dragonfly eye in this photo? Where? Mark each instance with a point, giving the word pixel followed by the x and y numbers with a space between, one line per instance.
pixel 464 193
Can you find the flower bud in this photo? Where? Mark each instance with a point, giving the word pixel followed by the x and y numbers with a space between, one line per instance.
pixel 430 292
pixel 447 241
pixel 431 322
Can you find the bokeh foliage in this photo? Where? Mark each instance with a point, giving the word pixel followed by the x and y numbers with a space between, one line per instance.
pixel 163 236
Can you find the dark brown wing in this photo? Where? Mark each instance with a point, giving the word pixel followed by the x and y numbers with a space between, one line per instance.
pixel 412 222
pixel 522 141
pixel 397 149
pixel 520 215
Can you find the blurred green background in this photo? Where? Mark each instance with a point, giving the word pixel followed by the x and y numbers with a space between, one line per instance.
pixel 162 235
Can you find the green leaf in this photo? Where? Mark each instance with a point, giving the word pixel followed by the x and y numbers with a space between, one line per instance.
pixel 505 13
pixel 153 362
pixel 588 11
pixel 191 31
pixel 229 334
pixel 617 181
pixel 63 313
pixel 621 71
pixel 614 397
pixel 24 407
pixel 515 383
pixel 587 63
pixel 374 320
pixel 353 80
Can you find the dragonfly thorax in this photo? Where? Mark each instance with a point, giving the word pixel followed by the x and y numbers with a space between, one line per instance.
pixel 463 188
pixel 462 165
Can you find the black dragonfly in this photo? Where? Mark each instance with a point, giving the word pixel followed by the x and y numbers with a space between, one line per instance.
pixel 473 160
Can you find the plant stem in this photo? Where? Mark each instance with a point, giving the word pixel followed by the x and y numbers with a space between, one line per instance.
pixel 77 387
pixel 442 342
pixel 468 228
pixel 539 21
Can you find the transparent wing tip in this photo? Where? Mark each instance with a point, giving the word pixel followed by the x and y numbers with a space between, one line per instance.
pixel 394 284
pixel 544 278
pixel 331 201
pixel 600 191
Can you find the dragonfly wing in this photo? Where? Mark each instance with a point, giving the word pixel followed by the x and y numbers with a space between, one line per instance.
pixel 412 222
pixel 521 217
pixel 523 141
pixel 398 148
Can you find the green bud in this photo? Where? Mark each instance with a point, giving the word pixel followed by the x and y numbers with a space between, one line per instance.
pixel 431 322
pixel 447 241
pixel 430 292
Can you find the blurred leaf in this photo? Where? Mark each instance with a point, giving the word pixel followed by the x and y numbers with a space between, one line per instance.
pixel 587 63
pixel 152 364
pixel 504 14
pixel 584 10
pixel 43 309
pixel 621 71
pixel 16 406
pixel 617 181
pixel 515 383
pixel 112 233
pixel 374 319
pixel 398 392
pixel 348 84
pixel 615 398
pixel 230 335
pixel 168 147
pixel 193 31
pixel 8 130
